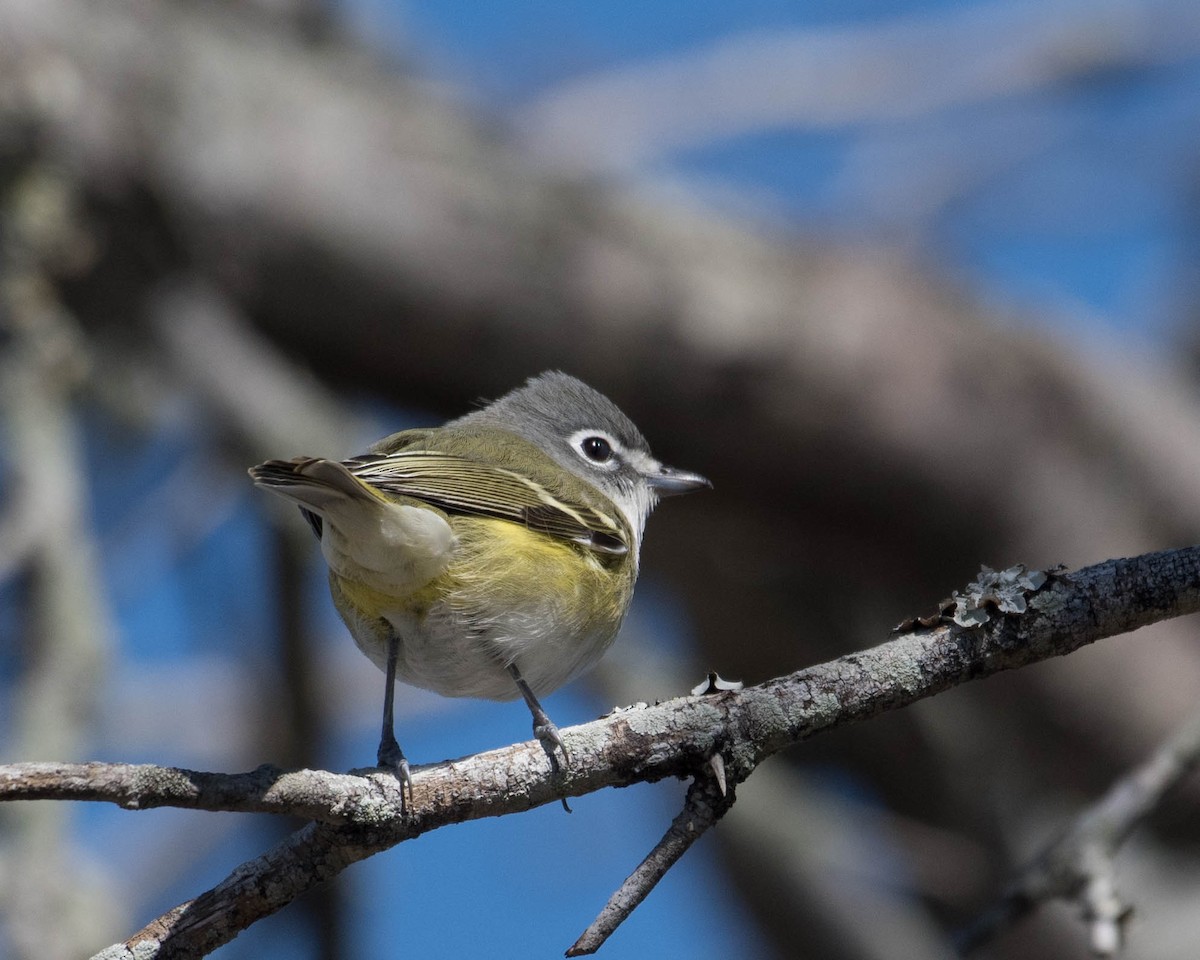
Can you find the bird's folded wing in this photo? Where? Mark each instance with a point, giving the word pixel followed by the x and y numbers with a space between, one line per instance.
pixel 460 485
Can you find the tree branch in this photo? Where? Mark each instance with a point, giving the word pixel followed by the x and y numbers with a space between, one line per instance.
pixel 315 794
pixel 1079 864
pixel 676 738
pixel 706 802
pixel 310 856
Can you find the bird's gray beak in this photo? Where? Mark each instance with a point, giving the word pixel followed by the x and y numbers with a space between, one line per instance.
pixel 667 481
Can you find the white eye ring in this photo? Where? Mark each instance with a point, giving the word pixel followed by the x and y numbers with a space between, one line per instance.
pixel 595 446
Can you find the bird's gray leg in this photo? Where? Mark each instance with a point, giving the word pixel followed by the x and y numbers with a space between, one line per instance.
pixel 543 727
pixel 390 756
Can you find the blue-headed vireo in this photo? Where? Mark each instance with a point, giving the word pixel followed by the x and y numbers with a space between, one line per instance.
pixel 492 556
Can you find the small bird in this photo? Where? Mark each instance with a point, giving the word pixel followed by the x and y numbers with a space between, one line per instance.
pixel 491 557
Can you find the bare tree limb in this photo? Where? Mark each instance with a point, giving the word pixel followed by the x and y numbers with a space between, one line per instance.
pixel 310 856
pixel 1078 866
pixel 307 793
pixel 675 738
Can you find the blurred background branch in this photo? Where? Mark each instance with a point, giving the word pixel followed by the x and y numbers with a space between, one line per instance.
pixel 51 904
pixel 1079 866
pixel 886 72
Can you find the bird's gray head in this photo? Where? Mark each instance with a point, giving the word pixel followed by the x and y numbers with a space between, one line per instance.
pixel 588 435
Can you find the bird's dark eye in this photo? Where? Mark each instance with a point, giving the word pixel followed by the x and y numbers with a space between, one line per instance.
pixel 596 448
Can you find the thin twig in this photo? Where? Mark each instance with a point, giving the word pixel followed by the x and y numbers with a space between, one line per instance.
pixel 706 802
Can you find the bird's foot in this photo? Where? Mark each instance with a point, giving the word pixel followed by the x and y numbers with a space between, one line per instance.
pixel 552 742
pixel 391 758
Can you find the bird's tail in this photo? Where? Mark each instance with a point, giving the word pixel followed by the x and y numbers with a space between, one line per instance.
pixel 312 482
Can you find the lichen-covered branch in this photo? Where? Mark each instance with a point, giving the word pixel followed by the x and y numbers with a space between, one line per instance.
pixel 363 814
pixel 315 794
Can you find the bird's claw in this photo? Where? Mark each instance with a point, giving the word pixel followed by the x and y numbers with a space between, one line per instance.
pixel 391 758
pixel 552 742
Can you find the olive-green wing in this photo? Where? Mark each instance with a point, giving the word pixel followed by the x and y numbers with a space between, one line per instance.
pixel 461 485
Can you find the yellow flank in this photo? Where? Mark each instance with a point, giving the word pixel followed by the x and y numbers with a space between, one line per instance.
pixel 498 566
pixel 373 604
pixel 503 565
